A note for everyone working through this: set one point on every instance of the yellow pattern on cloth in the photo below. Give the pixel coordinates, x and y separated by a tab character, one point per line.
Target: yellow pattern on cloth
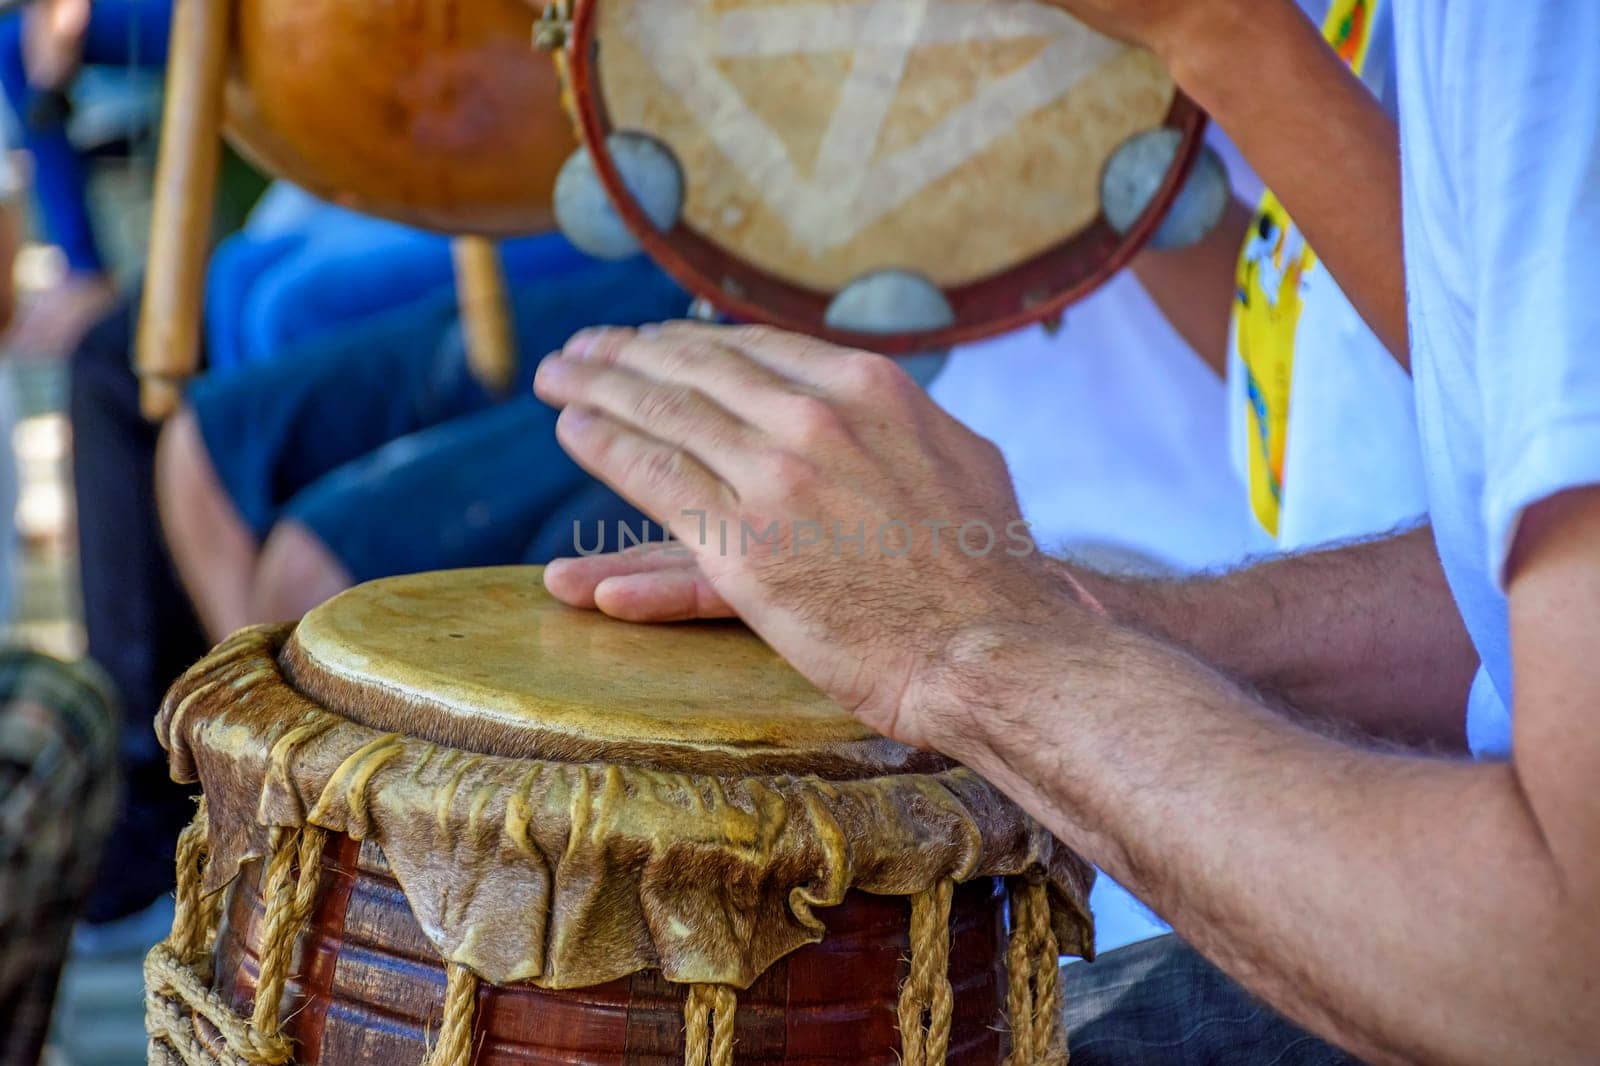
574	874
1272	266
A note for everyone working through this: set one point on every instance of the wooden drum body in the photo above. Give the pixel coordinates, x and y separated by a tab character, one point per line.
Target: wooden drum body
448	820
371	985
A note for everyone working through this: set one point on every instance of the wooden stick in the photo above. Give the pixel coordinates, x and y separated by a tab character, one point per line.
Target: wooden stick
481	294
168	345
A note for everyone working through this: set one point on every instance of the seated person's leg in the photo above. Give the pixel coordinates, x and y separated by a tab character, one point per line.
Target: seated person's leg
464	493
251	439
139	624
266	433
57	794
592	520
211	542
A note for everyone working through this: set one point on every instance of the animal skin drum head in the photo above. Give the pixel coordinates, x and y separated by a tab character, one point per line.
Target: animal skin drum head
959	140
487	656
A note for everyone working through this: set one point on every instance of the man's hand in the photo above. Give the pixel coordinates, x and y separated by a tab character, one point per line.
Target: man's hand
647	583
846	518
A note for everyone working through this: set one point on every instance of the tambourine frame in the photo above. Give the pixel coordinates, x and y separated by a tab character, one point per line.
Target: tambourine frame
1035	290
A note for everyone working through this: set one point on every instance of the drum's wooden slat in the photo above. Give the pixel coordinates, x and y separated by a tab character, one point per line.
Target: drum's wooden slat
374	986
316	959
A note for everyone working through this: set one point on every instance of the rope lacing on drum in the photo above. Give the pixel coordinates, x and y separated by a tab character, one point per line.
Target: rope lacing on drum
1033	997
460	1005
708	1015
185	1019
926	1000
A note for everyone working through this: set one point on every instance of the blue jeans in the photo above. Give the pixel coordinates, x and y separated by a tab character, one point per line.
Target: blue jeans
121	33
1159	1003
377	438
267	293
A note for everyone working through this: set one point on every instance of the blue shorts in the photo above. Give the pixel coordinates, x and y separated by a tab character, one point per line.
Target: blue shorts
378	438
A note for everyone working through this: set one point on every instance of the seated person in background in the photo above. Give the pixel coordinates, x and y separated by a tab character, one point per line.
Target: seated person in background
302	266
42	49
374	452
1322	413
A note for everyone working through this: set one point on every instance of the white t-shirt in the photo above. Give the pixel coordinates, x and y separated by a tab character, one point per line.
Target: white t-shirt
1116	434
1352	465
1114	431
1500	136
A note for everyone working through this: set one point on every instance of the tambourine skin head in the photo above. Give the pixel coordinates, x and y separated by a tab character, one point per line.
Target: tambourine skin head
822	143
436	113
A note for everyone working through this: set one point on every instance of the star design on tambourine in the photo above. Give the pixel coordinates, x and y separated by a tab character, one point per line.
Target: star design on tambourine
850	185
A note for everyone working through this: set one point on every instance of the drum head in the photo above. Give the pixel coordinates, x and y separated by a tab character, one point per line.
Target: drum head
820	142
486	660
436	113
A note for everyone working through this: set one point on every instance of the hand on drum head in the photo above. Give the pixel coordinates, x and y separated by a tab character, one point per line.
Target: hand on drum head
647	583
818	493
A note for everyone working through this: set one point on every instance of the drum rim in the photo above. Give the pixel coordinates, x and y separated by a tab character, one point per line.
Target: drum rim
999	303
342	680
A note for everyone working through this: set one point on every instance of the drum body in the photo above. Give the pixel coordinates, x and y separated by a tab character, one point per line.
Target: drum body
448	820
821	143
371	986
436	113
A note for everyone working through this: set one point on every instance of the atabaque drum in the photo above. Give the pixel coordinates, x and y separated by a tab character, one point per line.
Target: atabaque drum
898	174
449	820
437	113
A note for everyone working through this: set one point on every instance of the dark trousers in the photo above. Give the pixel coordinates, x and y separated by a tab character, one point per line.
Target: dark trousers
1160	1003
141	628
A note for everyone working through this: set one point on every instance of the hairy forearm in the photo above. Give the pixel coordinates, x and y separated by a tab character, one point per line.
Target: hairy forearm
1365	636
1314	134
1405	907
